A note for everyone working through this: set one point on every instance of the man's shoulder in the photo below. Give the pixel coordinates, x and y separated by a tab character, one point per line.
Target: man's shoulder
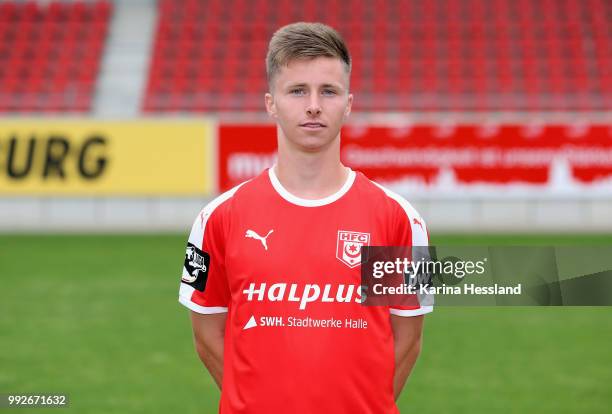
240	194
397	209
382	196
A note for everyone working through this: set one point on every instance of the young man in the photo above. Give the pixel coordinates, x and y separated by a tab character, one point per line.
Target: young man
272	273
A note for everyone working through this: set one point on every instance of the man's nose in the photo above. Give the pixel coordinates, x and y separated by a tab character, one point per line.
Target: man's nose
314	108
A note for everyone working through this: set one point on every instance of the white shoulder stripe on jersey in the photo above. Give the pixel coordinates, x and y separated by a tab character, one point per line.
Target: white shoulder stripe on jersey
196	237
419	229
419	238
411	312
197	230
185	298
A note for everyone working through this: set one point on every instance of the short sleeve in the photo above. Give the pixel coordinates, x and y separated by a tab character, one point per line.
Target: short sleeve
411	231
204	288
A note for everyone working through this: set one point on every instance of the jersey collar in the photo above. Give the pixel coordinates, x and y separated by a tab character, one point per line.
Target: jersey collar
304	202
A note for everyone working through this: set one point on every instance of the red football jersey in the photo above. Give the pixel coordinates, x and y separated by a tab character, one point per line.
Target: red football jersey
287	271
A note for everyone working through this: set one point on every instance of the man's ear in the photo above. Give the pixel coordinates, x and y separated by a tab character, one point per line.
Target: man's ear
349	106
270	105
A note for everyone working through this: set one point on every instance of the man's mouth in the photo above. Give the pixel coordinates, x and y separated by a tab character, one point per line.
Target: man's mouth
312	125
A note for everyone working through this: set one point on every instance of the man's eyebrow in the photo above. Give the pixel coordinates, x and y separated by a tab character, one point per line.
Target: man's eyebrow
304	85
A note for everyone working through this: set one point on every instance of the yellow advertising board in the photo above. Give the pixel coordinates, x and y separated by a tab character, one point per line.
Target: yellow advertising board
101	158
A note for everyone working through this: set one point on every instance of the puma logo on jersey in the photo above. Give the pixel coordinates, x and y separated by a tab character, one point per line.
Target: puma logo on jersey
202	215
416	221
250	234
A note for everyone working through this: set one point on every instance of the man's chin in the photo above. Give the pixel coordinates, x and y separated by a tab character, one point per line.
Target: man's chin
314	143
307	141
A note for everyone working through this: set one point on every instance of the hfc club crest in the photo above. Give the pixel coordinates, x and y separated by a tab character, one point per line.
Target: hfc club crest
348	247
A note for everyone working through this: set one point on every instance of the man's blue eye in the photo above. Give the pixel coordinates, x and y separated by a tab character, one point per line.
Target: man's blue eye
329	92
297	91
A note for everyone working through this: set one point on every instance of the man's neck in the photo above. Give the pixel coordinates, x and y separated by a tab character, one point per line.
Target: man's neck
311	175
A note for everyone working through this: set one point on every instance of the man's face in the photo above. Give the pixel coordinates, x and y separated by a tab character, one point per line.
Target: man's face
310	101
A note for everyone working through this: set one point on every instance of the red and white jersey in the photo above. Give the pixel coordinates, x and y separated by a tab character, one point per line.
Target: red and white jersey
286	270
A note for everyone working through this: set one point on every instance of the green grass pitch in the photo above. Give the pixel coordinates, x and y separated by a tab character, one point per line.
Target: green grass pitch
97	317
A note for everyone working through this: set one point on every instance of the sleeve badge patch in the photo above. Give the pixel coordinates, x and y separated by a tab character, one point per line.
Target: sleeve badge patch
195	268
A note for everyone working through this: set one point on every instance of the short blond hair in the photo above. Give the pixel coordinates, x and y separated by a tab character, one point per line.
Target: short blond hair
304	41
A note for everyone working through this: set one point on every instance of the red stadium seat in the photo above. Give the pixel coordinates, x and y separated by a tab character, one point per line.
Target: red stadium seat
503	54
52	53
